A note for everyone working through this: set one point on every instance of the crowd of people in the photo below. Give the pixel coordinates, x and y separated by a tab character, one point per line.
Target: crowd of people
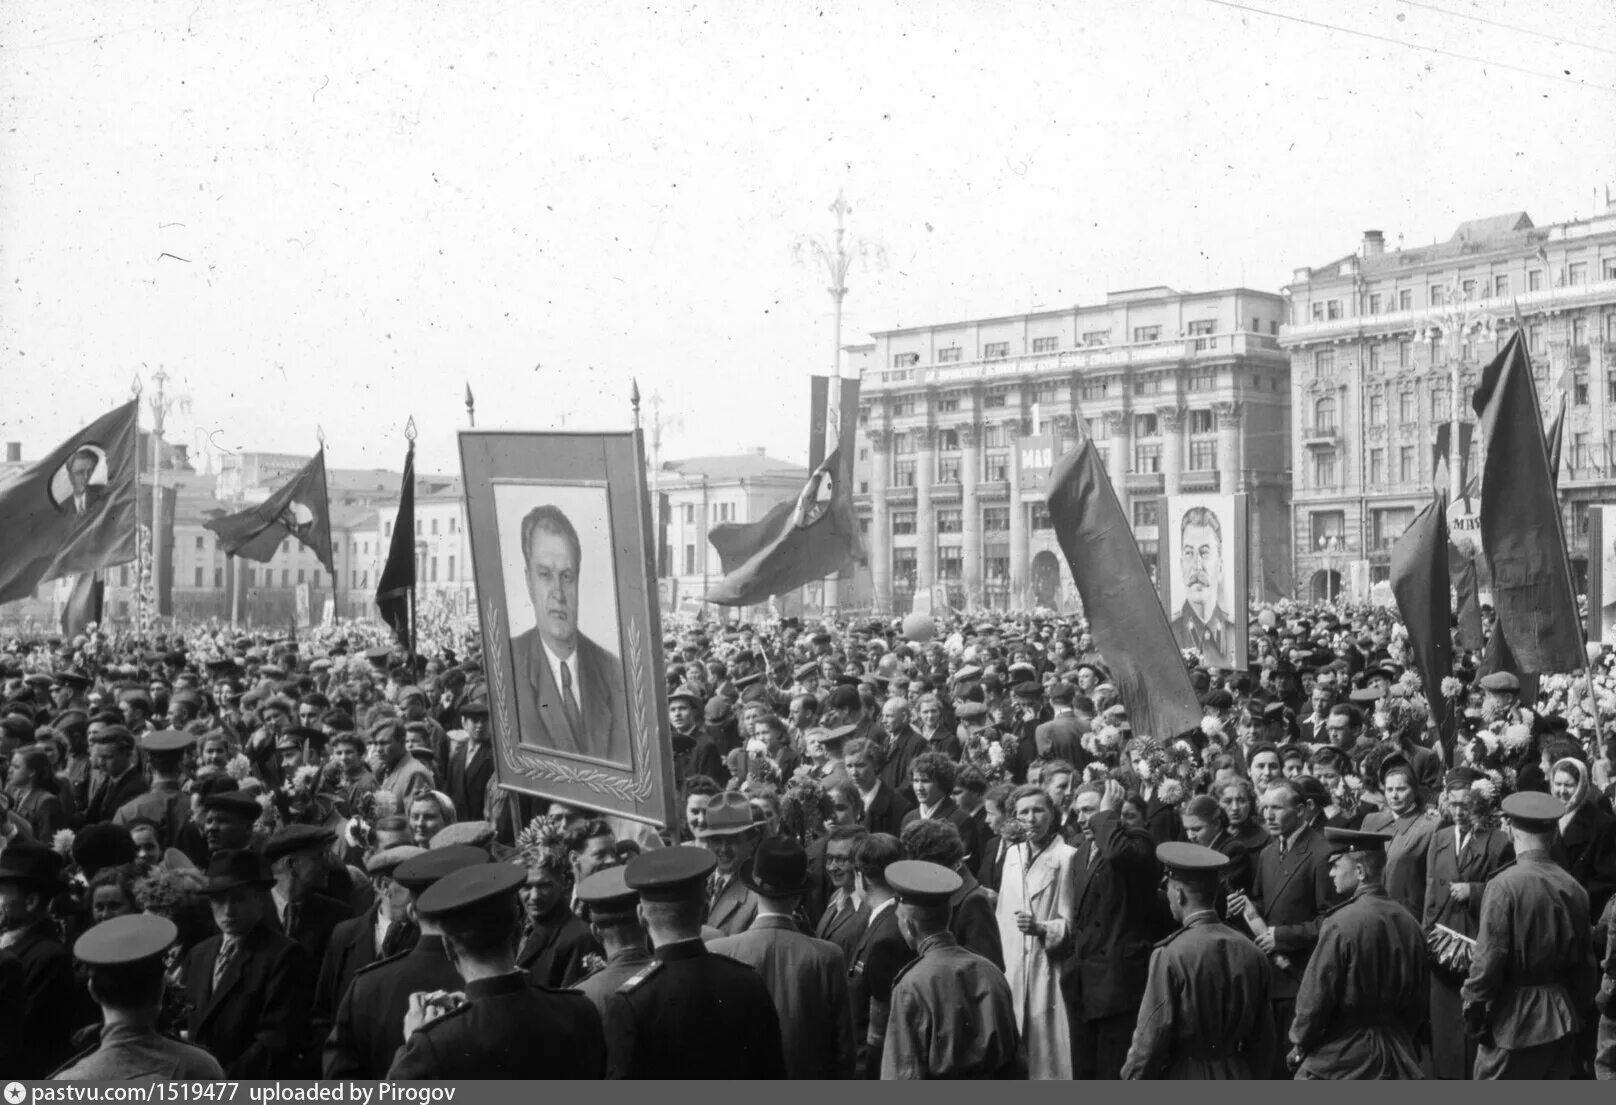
907	849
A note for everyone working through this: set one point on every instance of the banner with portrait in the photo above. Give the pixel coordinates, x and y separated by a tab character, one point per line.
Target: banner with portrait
1602	573
560	528
1203	547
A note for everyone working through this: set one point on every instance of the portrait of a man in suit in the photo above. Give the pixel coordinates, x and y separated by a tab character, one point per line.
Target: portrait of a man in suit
569	689
85	497
1201	622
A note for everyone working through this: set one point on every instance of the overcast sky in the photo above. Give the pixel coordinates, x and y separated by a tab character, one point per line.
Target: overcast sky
339	214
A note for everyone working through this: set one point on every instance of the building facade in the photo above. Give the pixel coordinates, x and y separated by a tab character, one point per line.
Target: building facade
960	422
1374	338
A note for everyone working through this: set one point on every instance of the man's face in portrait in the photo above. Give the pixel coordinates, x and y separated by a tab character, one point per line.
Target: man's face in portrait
1203	568
79	470
552	584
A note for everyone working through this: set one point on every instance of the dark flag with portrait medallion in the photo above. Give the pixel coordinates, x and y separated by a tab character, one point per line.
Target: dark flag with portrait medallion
1126	618
73	511
300	509
398	574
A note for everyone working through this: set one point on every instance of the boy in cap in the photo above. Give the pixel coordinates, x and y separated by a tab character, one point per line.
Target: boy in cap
501	1025
689	1013
952	1014
124	961
1367	988
1207	1011
1533	971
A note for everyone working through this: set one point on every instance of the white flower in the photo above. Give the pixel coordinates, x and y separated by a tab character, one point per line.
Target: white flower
1451	687
1211	726
1171	791
1515	738
996	754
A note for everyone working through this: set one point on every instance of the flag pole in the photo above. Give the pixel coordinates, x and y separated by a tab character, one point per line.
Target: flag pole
410	435
471	406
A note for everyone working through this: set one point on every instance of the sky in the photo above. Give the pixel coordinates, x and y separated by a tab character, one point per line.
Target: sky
331	217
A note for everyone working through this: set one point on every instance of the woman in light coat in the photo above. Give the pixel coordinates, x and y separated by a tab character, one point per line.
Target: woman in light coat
1037	898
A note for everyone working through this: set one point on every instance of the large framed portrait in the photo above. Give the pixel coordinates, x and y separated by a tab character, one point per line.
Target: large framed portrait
1602	573
1203	547
560	531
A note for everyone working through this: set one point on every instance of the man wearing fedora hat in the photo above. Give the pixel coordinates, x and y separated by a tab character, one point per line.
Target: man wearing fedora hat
731	835
806	977
52	1005
249	987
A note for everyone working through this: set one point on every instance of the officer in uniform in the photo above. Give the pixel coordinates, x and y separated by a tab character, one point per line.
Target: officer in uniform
369	1026
1208	1011
610	908
1366	993
1533	972
502	1025
952	1013
124	957
688	1013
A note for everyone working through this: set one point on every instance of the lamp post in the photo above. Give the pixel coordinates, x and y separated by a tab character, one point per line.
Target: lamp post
1458	318
1329	545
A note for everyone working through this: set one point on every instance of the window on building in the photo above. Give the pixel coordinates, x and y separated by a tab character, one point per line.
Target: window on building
417	531
1467	289
690	560
1093	339
948	470
996	519
1040	517
1147	458
1332	309
1407	472
1579	331
1324	416
903	444
950	521
1323	525
1577	273
1202	330
1405	407
950	563
451	569
1438	295
1610	327
1405	353
903	523
198	574
1316	311
997	467
434	527
1374	357
251	577
1534	337
1377	409
201	543
1387	525
218	578
1045	345
1324	364
1374	303
994	400
1144	425
947	405
452	526
1441	403
946	356
1579	452
904	407
286	577
1501	285
1377	466
1091	389
1147	385
995	350
905	360
1534	280
1203	456
1147	333
1324	468
1201	379
1146	512
903	473
1405	299
948	441
1202	422
1579	390
690	514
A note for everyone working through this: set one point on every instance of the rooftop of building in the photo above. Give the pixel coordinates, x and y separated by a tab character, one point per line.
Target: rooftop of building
744	466
1120	297
1511	232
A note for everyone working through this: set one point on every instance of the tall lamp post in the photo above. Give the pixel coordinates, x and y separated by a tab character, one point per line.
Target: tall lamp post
837	256
1457	320
1330	545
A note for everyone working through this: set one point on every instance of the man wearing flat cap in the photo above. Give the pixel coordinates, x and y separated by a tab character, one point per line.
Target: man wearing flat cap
689	1014
1533	973
500	1024
952	1014
249	987
1365	994
124	962
370	1016
1207	1011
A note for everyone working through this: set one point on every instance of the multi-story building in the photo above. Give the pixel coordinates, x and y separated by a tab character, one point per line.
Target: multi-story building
960	422
703	492
1373	341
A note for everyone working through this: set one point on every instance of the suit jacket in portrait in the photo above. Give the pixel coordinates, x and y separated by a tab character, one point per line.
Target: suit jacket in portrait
1214	638
255	1021
602	701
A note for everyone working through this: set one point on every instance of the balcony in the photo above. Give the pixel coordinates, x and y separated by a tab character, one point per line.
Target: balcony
1321	437
1500	307
1144	483
1156	354
1199	481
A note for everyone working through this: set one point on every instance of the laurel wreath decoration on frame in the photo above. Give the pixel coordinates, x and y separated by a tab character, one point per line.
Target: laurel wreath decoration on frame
537	766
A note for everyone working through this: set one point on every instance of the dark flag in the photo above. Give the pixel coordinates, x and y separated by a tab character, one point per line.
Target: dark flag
1126	618
1439	450
397	583
1467	592
795	543
1556	436
1420	584
83	605
1520	521
300	509
73	511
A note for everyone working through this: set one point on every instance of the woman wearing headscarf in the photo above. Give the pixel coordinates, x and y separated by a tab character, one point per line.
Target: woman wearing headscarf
1411	824
1586	843
1467	850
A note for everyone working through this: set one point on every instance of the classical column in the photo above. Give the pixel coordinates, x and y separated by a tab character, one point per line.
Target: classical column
970	437
1116	423
1230	417
880	439
1172	429
1020	555
925	520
